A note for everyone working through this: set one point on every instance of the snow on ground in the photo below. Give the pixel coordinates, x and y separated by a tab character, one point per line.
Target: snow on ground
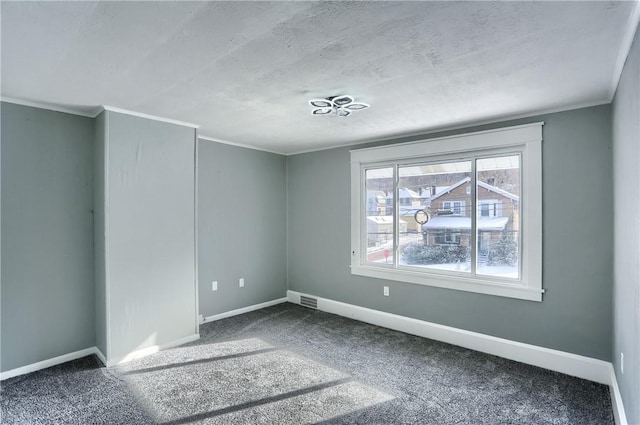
495	271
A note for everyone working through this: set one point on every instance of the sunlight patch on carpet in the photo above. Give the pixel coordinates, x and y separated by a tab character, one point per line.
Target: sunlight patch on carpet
243	381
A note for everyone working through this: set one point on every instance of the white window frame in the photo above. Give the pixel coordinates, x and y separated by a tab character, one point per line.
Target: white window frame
526	140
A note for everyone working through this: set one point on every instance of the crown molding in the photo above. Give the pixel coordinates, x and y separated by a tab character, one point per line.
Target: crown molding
47	106
147	116
240	145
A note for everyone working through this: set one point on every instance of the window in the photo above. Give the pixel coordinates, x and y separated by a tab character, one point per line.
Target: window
454	207
489	208
451	237
484	232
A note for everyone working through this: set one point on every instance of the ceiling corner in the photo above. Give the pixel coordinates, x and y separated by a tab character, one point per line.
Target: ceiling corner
625	47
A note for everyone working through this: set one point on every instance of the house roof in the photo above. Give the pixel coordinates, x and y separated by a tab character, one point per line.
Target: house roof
450	188
377	194
380	219
406	193
405	210
499	191
481	184
464	223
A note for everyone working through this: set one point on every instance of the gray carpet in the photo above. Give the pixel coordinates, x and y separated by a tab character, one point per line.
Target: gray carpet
290	365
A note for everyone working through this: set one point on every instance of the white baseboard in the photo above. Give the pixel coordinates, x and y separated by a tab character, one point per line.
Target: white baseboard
94	350
151	349
559	361
33	367
243	310
101	356
616	399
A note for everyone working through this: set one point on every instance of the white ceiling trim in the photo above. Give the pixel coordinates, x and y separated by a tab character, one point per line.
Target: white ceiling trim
625	47
240	145
461	126
47	106
147	116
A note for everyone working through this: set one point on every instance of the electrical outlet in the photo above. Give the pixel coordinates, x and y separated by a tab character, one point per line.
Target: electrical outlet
386	291
241	282
622	363
214	286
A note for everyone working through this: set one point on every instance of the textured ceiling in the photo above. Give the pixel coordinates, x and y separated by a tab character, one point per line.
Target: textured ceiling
244	71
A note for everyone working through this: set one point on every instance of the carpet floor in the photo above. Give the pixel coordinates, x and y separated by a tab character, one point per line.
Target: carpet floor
290	365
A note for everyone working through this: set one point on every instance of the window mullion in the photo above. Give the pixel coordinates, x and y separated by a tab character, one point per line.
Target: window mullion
474	218
363	215
396	218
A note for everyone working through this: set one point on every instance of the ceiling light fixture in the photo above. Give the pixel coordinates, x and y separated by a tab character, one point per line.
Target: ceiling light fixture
341	106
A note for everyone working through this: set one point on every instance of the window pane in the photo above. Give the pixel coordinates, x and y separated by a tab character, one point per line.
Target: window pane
442	190
379	215
498	225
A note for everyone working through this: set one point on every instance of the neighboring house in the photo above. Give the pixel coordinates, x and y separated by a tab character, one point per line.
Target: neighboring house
406	198
379	204
407	216
376	203
450	223
409	202
429	191
380	230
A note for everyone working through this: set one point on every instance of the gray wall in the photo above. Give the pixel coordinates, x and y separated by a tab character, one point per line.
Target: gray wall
576	313
47	235
626	211
241	226
99	232
150	240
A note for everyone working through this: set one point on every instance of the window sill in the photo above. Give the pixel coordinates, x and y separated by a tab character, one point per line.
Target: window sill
480	285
